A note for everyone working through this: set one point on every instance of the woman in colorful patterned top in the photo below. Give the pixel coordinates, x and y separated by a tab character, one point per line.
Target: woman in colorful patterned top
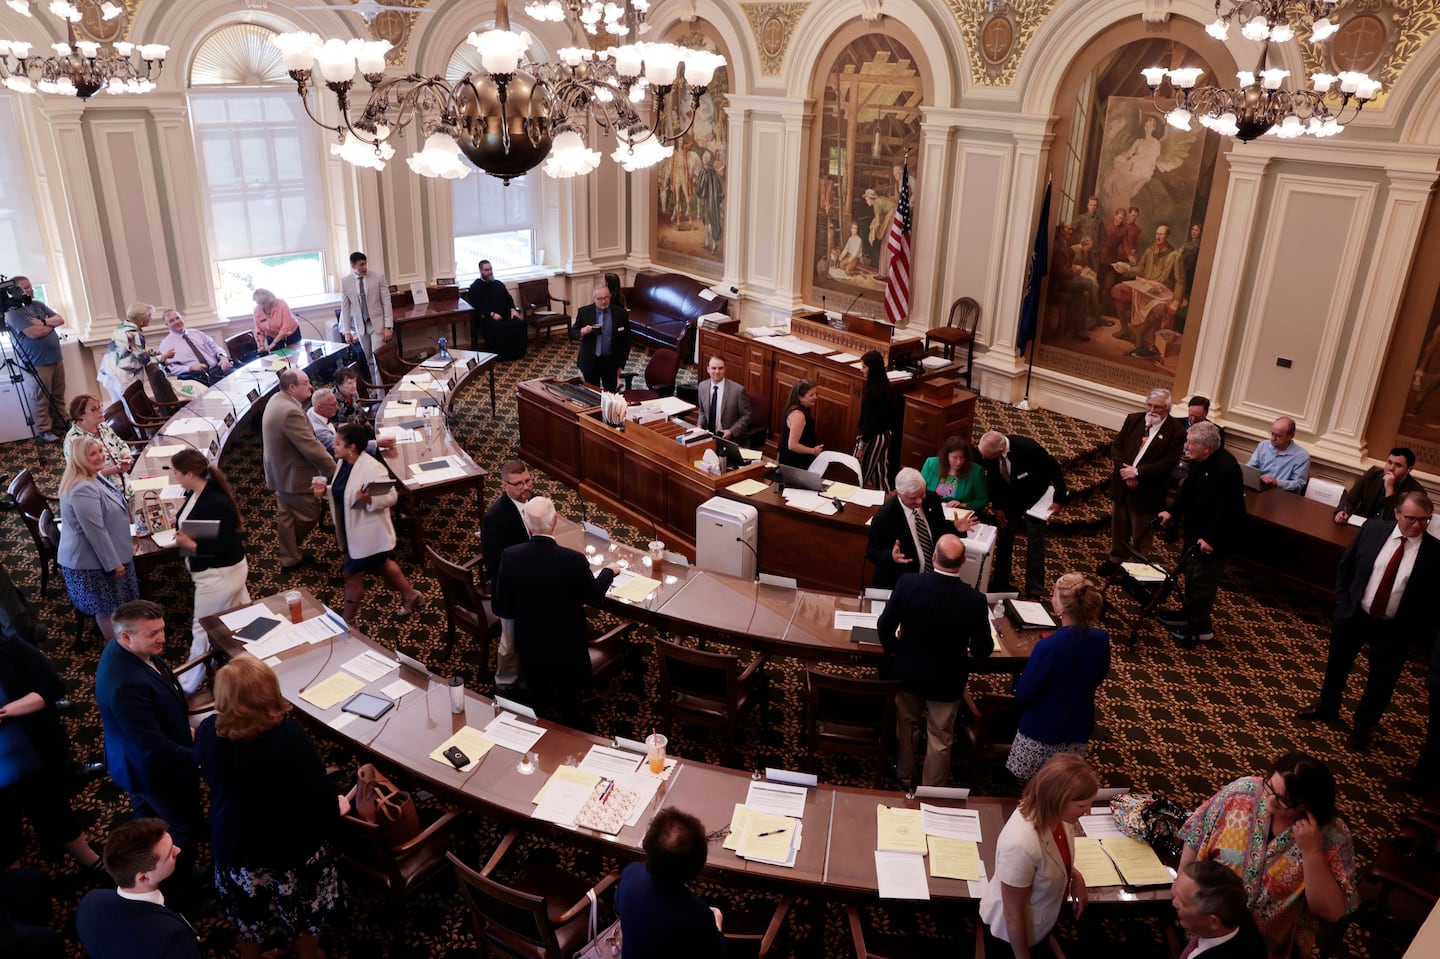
1280	833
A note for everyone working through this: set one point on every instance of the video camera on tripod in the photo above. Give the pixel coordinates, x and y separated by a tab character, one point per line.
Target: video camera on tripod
11	296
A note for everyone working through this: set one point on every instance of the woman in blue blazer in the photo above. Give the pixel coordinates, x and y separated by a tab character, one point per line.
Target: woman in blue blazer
1056	690
96	555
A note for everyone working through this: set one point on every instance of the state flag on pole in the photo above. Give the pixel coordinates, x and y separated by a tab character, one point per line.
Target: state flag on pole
897	285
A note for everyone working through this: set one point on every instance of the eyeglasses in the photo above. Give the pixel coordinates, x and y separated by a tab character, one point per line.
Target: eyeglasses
527	481
1406	518
1282	801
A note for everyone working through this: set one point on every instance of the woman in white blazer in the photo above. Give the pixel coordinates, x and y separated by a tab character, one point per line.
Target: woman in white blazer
362	521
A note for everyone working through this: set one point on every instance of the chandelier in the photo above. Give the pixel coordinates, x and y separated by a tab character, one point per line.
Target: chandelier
79	68
514	114
1261	105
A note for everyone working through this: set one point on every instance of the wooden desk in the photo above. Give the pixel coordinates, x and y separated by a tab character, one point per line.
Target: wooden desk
821	552
415	317
835	856
1295	540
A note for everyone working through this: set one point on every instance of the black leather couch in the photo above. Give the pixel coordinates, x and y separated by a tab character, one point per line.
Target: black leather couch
665	308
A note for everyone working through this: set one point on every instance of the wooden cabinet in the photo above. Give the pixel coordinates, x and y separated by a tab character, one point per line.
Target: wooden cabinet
933	412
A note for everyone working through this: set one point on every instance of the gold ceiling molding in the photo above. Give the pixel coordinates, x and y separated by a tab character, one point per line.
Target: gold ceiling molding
773	25
397	27
996	39
92	26
1378	37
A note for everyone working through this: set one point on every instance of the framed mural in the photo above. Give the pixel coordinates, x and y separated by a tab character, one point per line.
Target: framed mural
1420	422
1127	228
870	119
690	186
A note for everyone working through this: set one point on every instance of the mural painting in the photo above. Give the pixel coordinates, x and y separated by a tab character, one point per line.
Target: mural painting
1420	423
690	186
1127	233
871	117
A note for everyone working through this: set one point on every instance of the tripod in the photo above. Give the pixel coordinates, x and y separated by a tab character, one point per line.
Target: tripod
16	369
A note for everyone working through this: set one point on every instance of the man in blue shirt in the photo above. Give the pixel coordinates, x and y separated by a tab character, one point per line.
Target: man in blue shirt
32	327
1282	462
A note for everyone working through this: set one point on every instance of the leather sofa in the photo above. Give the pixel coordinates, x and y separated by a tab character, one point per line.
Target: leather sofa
665	308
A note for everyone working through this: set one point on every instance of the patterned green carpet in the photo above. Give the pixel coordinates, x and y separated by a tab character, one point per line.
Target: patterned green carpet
1175	722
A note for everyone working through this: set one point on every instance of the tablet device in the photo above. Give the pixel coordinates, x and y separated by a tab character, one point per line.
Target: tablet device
412	424
410	662
429	401
379	487
200	528
1251	476
435	465
256	628
368	705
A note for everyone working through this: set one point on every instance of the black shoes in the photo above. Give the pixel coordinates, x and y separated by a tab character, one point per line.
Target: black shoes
1171	620
84	772
1361	738
1410	783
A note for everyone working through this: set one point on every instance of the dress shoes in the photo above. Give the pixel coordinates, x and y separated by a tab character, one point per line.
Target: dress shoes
64	705
1316	711
84	772
1172	620
306	559
1361	738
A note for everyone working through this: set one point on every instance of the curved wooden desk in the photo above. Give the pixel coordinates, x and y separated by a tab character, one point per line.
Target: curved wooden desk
836	853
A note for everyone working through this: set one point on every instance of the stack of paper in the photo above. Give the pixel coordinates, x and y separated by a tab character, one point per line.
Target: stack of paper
436	470
471	742
1144	572
904	837
632	587
764	837
1136	862
512	733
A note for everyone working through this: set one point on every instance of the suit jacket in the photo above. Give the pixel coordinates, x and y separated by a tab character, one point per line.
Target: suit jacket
655	917
734	407
1056	691
545	588
619	339
1353	575
1160	458
225	549
1367	497
377	300
937	617
1246	944
111	927
889	525
1211	502
1032	469
291	453
501	528
94	527
147	729
368	530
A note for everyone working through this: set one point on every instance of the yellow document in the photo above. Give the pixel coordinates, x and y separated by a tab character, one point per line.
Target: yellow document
635	589
953	513
337	688
472	743
899	830
842	491
149	482
569	774
1095	867
954	858
749	487
277	364
767	836
737	826
749	456
1137	862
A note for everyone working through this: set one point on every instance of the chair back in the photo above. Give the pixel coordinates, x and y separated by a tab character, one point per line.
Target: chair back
118	421
1324	491
49	529
506	919
391	366
161	386
964	314
828	458
241	345
138	407
845	710
534	296
464	607
698	682
660	371
29	501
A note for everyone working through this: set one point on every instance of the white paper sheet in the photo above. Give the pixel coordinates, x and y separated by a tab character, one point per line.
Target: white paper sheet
610	763
563	802
369	666
849	620
1041	509
240	618
190	425
869	497
1100	824
397	688
901	875
507	731
776	798
341	721
163	538
951	823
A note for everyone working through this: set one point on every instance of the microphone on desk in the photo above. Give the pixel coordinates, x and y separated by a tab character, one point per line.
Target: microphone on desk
853	302
755	552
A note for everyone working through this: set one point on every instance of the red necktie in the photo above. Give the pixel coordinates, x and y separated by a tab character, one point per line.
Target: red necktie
1189	950
1381	601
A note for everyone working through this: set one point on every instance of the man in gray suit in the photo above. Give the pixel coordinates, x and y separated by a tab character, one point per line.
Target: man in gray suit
292	457
728	398
366	316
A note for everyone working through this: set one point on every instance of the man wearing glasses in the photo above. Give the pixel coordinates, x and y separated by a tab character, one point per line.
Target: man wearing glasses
1386	578
1145	452
503	527
1282	462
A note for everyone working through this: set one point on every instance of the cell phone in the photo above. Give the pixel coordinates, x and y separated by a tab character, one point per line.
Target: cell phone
457	757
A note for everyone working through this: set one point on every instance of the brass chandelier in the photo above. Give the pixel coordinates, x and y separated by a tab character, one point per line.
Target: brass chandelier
1261	105
515	114
79	68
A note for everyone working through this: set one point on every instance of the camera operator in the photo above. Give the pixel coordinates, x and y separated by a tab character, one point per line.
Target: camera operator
33	327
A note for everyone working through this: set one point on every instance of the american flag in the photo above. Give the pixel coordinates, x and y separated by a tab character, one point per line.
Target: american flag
897	285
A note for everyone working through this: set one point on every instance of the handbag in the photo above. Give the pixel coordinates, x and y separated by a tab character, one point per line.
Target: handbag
606	945
1150	818
392	809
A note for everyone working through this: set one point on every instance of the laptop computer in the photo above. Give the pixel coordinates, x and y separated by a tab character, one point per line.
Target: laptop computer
729	452
1251	476
796	478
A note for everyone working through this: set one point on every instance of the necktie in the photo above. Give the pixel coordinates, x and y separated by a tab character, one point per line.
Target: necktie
1005	468
602	341
364	302
1381	602
923	538
200	354
1189	949
715	408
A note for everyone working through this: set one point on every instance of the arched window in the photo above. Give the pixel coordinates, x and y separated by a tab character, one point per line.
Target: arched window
493	221
20	253
259	160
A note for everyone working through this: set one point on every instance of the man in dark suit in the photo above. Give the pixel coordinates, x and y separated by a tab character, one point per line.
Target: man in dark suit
132	921
1211	505
147	731
1018	471
1425	776
1145	452
292	457
1384	589
603	329
1210	904
1374	494
545	588
659	916
904	531
502	528
928	624
733	419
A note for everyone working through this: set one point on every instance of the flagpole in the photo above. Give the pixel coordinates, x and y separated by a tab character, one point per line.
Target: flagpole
1035	270
1029	372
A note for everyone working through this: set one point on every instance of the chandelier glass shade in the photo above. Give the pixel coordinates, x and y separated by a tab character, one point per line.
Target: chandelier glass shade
513	114
1261	104
79	68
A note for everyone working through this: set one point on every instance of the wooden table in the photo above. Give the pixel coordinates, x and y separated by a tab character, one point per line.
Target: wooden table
418	316
1295	540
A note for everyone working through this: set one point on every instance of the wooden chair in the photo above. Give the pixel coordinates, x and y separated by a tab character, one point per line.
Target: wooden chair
32	504
900	944
989	729
141	410
394	870
465	610
754	934
709	688
117	419
163	390
659	377
536	307
854	716
959	330
390	365
607	650
540	913
242	347
1398	891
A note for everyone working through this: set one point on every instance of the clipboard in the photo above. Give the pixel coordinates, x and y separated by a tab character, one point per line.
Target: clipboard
200	528
379	487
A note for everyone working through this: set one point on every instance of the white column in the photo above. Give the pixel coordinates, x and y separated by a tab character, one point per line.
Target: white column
1026	194
928	301
75	190
195	282
737	218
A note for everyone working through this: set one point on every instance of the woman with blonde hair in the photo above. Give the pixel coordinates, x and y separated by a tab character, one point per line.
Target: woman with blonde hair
1035	860
274	867
275	325
96	556
1056	691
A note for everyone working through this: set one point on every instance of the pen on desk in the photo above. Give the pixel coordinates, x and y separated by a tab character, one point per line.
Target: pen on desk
605	796
772	832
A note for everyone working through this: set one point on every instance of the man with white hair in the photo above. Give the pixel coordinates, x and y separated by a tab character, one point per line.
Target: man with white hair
603	329
1018	471
1145	452
905	530
545	587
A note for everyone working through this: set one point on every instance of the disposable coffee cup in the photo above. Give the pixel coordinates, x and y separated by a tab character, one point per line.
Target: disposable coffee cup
657	552
655	752
457	694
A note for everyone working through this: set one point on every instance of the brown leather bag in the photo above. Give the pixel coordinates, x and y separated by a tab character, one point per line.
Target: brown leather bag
379	801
